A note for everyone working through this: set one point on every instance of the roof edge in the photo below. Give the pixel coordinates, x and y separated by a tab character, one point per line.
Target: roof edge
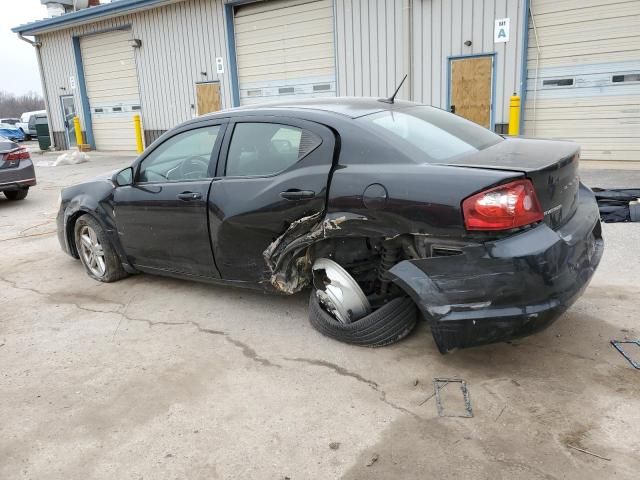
87	15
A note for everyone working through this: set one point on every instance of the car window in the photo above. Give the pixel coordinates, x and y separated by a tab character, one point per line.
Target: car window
439	134
267	148
183	157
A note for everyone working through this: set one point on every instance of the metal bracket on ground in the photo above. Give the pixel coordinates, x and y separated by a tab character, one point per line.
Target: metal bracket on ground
618	346
439	384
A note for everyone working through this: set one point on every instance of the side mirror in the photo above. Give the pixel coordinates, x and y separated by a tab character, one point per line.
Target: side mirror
123	177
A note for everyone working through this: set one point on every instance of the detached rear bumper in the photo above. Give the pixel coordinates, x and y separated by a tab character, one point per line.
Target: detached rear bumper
508	288
15	178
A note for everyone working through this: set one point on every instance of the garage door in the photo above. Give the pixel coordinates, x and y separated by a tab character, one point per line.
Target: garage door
285	49
112	88
584	75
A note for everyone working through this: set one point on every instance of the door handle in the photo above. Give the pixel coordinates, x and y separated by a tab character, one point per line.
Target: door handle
295	194
189	196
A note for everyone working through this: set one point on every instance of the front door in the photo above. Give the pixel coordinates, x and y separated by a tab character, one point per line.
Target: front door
275	172
162	217
208	97
471	80
69	113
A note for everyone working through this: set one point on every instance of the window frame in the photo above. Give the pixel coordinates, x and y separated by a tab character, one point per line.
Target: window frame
168	136
277	120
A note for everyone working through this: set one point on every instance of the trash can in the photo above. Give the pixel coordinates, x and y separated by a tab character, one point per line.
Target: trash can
42	130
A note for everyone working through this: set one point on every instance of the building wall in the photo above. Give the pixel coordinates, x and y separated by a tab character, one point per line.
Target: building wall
179	41
375	40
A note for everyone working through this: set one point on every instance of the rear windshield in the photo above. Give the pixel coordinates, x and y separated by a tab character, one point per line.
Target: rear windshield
438	134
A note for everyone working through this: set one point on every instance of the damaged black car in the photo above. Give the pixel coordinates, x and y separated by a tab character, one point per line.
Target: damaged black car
388	211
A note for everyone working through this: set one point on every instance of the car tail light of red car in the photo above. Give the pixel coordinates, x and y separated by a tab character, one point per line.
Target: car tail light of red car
512	205
12	159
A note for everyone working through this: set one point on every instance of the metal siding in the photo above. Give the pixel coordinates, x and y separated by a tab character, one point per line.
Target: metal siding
440	28
588	41
167	66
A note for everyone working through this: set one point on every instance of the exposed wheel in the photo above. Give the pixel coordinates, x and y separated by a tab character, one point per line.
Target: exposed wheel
96	252
389	324
17	194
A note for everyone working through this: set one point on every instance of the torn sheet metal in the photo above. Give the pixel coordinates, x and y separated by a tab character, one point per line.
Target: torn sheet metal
439	384
618	346
290	269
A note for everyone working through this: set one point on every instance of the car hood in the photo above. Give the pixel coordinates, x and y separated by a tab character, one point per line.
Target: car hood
7	145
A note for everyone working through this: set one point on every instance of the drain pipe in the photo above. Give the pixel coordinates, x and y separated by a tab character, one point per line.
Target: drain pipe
407	41
37	46
535	82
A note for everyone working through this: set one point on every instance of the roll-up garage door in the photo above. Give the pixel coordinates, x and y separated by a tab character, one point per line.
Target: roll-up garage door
112	88
285	49
584	75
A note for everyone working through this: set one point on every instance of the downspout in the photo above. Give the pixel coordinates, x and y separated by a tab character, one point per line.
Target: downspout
535	84
524	70
408	45
45	94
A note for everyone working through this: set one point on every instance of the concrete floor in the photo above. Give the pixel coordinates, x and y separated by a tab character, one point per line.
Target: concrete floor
152	378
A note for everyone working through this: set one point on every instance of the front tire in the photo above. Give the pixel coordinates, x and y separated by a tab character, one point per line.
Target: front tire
17	194
96	252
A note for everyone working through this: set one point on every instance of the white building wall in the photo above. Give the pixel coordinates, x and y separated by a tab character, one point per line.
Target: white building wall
179	41
379	41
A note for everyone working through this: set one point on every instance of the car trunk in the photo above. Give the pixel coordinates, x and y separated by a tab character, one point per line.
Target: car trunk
551	166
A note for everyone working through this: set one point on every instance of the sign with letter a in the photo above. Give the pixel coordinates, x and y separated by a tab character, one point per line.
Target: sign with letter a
501	32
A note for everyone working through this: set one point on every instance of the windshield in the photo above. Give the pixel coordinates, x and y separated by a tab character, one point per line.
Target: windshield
438	134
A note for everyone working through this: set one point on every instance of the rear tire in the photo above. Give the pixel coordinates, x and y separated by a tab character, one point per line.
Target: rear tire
17	194
96	252
389	324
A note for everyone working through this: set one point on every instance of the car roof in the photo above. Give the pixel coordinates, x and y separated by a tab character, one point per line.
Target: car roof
352	107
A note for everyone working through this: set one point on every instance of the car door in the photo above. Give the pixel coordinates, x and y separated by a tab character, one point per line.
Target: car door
273	171
162	217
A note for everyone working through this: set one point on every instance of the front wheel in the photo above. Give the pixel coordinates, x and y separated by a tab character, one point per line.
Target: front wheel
17	194
96	252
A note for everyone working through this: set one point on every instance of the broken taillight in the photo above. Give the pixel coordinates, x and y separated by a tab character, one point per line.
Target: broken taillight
512	205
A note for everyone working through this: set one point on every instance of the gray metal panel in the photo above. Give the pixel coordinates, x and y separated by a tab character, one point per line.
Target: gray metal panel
178	42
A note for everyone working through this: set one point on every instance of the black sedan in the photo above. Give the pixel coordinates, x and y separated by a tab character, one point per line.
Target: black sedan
379	206
16	170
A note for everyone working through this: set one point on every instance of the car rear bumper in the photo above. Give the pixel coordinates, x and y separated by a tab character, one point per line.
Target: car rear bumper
508	288
22	176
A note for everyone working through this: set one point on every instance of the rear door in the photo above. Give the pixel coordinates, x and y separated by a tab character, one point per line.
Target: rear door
273	171
162	217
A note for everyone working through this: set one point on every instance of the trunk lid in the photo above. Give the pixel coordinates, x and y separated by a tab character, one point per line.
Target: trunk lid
552	166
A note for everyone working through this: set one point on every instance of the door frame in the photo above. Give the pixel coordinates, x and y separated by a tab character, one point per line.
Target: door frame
195	94
494	68
64	119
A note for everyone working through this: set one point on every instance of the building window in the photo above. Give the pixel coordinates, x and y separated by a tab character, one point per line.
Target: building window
559	82
254	93
285	90
322	87
116	109
627	77
135	108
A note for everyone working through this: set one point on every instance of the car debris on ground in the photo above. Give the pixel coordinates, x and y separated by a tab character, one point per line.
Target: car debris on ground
618	204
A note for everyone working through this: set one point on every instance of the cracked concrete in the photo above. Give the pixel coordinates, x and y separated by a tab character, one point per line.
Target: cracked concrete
159	378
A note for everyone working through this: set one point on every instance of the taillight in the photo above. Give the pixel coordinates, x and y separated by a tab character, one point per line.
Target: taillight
512	205
20	153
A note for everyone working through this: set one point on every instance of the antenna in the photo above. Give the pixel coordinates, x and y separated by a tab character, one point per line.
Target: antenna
392	97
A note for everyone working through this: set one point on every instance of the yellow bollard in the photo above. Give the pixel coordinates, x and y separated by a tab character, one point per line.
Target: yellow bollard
514	115
137	124
78	129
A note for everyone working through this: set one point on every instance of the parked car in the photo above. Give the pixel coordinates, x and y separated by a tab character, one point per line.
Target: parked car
378	206
28	123
11	132
10	121
16	170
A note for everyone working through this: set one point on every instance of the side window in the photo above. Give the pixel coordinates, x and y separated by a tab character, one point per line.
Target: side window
267	148
185	156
